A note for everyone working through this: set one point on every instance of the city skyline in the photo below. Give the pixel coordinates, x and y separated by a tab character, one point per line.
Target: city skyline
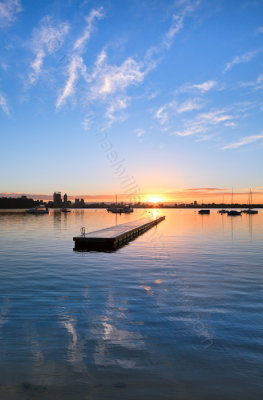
143	99
201	195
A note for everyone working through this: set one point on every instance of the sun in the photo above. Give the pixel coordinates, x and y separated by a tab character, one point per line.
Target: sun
154	199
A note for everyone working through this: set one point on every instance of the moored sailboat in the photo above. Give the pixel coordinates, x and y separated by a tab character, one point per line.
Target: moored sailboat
233	213
120	208
249	210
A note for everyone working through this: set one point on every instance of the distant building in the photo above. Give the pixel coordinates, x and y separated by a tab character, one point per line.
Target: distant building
77	202
65	198
82	203
195	203
57	198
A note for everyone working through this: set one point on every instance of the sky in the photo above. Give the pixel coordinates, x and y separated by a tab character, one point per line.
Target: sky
158	99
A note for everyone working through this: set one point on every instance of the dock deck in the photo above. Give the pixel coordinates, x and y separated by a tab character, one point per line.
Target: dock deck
109	239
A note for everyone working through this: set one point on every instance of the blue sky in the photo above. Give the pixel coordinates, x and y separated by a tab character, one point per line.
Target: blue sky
164	94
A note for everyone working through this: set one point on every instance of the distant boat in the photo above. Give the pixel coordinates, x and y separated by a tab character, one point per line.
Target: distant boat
204	212
38	210
233	213
127	209
65	210
223	211
114	210
250	210
119	209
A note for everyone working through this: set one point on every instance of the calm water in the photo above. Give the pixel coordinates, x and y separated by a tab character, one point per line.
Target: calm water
176	314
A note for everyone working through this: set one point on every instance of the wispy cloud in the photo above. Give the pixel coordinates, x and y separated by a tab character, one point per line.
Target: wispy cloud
259	29
139	132
94	14
174	107
76	66
8	11
176	26
203	123
256	84
244	141
108	83
3	104
185	8
244	58
116	105
204	87
46	40
190	105
201	88
161	114
109	79
231	124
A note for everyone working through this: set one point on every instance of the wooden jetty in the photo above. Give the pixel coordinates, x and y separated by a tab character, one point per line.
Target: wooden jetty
110	239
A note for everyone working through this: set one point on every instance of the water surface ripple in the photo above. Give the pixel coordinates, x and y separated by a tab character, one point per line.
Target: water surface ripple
175	314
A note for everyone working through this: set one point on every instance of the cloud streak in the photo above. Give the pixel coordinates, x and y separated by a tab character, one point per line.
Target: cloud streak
94	14
76	64
244	58
204	122
176	26
190	105
46	40
168	110
8	11
4	105
204	87
108	83
109	79
244	141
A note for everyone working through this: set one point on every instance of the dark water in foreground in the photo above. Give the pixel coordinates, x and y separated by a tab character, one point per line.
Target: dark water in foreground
176	314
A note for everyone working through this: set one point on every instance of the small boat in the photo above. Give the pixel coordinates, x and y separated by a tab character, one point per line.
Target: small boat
65	210
204	212
127	209
119	209
233	213
250	210
114	210
222	211
38	210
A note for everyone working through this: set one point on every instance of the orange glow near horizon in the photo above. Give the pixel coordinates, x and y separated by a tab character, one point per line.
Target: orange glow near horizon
154	199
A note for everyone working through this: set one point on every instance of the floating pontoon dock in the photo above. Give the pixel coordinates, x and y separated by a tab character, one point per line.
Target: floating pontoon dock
115	236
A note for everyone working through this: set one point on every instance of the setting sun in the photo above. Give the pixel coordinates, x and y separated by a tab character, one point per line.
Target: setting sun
154	199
